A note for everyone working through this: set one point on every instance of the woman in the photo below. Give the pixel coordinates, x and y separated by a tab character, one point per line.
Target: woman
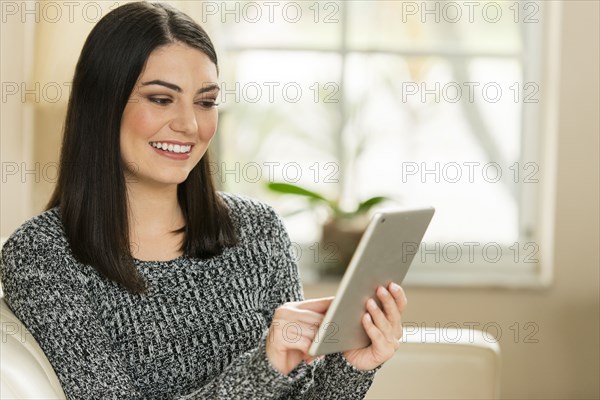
140	281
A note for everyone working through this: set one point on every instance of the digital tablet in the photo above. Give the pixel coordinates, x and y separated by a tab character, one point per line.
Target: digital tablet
383	255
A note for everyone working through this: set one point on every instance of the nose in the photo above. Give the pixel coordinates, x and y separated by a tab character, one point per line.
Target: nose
184	120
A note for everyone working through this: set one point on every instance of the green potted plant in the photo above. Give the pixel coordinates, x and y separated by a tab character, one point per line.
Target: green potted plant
342	230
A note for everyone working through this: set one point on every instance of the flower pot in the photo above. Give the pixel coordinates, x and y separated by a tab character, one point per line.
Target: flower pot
340	237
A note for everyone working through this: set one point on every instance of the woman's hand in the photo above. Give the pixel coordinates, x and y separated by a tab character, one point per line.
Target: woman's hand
383	327
292	331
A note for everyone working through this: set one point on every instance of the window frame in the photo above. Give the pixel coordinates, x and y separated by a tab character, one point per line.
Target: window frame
539	58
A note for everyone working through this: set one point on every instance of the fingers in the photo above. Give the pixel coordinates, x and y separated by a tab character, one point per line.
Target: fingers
382	347
387	318
293	329
377	316
318	305
373	332
399	296
310	312
390	305
288	331
291	336
290	312
296	324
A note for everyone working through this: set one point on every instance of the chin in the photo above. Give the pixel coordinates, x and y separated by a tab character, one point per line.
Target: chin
174	178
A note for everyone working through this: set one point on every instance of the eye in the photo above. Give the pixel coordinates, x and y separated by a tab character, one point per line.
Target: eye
207	103
163	101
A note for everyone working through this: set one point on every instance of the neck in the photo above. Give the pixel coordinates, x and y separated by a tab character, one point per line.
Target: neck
153	210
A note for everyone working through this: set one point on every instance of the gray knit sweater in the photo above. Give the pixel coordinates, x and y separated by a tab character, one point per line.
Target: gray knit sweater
199	332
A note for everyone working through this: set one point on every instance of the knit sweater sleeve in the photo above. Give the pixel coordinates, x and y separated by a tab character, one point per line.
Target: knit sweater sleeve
48	294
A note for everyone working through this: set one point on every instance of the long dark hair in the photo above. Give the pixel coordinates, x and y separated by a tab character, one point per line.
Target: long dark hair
91	187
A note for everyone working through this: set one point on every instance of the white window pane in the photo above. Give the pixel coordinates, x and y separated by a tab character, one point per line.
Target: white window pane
484	26
422	149
282	24
284	119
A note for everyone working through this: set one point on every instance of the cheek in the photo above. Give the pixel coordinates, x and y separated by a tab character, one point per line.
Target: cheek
138	123
210	126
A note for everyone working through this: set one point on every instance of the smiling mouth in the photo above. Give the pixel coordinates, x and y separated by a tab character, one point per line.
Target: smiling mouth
172	148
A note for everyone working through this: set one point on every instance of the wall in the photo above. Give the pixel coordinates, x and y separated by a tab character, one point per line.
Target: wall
13	142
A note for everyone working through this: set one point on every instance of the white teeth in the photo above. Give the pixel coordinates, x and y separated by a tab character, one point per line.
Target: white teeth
174	148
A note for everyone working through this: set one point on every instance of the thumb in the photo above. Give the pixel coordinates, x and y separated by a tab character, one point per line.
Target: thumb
318	305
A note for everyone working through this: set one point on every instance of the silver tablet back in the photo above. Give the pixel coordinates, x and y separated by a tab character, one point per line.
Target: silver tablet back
383	255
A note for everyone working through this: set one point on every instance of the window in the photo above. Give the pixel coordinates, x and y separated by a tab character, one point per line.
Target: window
429	103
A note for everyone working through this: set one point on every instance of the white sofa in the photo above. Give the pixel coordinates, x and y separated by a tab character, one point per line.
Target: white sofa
440	364
430	364
25	372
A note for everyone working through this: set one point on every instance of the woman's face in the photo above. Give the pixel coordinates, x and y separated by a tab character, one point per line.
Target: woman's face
170	117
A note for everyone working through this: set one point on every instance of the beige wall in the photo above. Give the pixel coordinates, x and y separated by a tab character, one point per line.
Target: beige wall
565	361
13	138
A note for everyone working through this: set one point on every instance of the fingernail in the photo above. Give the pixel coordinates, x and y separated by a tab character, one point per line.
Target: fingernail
384	292
395	287
372	303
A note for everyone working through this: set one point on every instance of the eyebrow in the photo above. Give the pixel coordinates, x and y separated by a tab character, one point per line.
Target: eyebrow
206	88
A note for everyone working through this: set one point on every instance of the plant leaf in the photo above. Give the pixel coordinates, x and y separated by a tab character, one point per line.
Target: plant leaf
367	204
288	188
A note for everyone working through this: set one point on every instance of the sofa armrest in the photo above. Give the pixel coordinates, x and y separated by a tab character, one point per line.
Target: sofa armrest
434	363
25	372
